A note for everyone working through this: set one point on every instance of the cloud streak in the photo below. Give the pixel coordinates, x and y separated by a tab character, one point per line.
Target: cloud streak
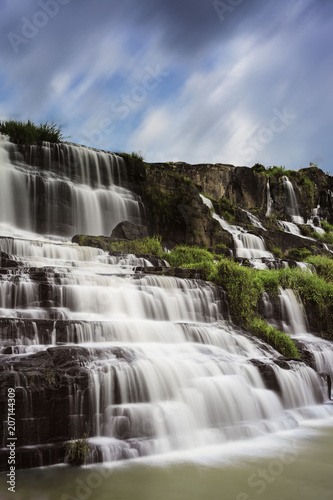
222	78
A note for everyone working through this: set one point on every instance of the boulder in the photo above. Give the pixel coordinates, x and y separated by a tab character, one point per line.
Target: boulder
128	231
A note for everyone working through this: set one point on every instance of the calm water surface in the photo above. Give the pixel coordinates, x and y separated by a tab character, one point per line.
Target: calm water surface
287	466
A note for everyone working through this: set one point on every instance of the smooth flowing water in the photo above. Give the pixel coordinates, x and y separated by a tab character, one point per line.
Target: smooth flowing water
66	190
150	365
247	245
292	466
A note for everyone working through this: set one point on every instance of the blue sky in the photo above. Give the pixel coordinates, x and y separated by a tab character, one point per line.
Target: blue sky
234	81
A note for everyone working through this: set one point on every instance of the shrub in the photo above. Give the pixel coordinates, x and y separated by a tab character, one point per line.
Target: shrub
243	289
151	246
277	252
326	226
225	209
258	168
181	256
308	188
306	231
77	450
277	339
299	253
325	238
323	266
134	156
29	133
271	223
192	257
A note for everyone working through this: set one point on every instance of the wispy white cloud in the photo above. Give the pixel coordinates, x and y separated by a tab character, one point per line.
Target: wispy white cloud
219	86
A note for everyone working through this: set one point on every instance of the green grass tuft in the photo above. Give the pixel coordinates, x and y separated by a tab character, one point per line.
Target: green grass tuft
29	133
147	246
277	339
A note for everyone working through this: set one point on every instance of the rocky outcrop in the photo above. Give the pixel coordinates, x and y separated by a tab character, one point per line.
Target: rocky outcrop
174	209
45	384
128	231
240	185
287	241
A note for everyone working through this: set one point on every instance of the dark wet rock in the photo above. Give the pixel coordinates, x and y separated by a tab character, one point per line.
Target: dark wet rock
268	374
7	261
179	272
128	231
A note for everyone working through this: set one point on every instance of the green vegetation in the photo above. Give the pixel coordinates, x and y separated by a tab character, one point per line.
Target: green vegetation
279	340
272	171
258	168
192	257
308	188
326	226
244	287
173	206
323	266
147	246
29	133
136	157
324	238
276	251
299	254
185	255
225	209
77	450
271	223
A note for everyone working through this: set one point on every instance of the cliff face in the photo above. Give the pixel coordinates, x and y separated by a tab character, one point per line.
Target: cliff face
171	205
240	185
174	209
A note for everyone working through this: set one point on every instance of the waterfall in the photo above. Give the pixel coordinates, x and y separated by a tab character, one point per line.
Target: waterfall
269	201
81	194
290	227
146	364
295	322
254	220
293	312
247	246
291	201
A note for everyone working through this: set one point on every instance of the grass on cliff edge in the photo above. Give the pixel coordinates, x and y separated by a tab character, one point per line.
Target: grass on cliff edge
29	133
244	287
146	246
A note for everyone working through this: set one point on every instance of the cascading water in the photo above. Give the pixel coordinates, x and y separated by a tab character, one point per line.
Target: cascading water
290	227
64	201
247	246
269	201
291	201
145	364
294	321
293	212
254	220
